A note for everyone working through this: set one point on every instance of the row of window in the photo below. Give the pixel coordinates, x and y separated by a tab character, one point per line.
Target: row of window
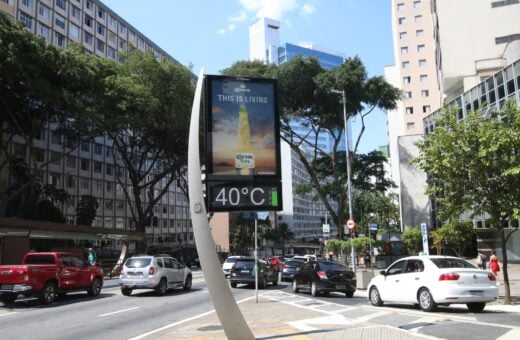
408	79
418	34
420	49
406	64
417	19
425	109
401	5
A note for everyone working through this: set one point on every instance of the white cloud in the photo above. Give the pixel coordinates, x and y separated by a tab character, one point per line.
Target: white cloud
242	16
274	9
307	9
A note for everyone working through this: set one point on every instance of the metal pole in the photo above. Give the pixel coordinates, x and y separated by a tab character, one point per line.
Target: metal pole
256	257
230	316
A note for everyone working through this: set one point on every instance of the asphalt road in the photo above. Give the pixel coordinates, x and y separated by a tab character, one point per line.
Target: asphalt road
114	316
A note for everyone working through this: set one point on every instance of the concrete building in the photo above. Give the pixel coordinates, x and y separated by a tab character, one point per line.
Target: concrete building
302	213
442	48
90	169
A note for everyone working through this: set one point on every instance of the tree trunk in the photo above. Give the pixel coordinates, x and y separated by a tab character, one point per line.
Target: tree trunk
507	297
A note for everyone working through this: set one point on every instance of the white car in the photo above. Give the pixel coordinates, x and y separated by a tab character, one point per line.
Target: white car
158	272
228	263
430	281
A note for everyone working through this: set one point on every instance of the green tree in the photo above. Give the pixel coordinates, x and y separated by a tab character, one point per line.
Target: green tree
143	106
285	234
86	210
305	93
472	165
456	235
412	238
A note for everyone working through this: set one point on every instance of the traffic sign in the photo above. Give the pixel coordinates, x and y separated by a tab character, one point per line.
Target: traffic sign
351	224
372	226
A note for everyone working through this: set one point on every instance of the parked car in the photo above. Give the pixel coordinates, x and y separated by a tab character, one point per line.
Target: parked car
228	263
243	271
323	277
430	281
48	275
291	267
158	272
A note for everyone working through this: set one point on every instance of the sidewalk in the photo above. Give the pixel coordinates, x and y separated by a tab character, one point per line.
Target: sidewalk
281	315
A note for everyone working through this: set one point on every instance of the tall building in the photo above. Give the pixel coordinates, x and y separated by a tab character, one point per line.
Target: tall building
90	169
442	49
302	213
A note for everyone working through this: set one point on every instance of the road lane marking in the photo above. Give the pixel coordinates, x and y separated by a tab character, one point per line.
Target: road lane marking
10	313
119	311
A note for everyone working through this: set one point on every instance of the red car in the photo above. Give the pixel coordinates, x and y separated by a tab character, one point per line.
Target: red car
47	275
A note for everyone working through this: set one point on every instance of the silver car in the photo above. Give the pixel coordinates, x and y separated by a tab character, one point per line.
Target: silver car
158	272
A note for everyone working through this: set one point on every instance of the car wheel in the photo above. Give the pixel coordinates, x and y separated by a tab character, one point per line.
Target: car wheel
349	293
49	293
476	307
314	289
233	284
375	298
262	283
426	302
295	287
8	297
161	288
95	287
187	283
126	291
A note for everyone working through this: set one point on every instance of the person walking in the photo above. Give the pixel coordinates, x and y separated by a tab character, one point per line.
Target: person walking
494	265
482	260
91	257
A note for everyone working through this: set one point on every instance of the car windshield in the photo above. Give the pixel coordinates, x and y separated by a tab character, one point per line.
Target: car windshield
230	260
138	262
452	263
246	263
294	263
330	265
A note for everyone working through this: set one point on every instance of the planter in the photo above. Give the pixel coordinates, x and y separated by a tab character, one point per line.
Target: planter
363	278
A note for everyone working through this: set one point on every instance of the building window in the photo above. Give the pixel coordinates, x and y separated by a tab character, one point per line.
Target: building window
404	50
97	184
402	35
43	31
122	29
85	147
410	126
88	38
417	4
426	109
402	21
420	48
71	202
406	80
112	23
27	3
100	45
55	158
109	205
61	4
422	62
26	20
425	93
55	137
122	44
59	21
409	110
418	19
408	94
84	182
44	11
71	162
112	37
101	13
88	20
101	29
405	64
75	12
400	7
111	53
109	169
98	149
98	166
39	155
109	186
419	33
74	31
85	164
71	181
108	151
54	179
88	4
423	77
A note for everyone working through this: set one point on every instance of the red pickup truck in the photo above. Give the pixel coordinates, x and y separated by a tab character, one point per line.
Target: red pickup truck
47	275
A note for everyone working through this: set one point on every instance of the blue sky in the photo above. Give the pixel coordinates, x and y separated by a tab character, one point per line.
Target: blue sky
214	33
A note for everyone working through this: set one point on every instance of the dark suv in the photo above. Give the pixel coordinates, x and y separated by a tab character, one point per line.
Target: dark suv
323	277
243	271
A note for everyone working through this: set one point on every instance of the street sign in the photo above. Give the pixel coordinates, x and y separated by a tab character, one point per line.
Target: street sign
326	228
424	232
372	226
351	224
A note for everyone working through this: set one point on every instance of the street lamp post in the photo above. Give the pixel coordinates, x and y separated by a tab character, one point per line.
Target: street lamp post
349	178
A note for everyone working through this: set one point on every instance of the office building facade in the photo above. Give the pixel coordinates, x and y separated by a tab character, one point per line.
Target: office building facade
92	168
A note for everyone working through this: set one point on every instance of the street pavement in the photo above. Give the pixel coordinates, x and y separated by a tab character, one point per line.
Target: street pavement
283	315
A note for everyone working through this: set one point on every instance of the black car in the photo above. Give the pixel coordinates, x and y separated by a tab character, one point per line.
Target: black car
243	271
324	277
291	267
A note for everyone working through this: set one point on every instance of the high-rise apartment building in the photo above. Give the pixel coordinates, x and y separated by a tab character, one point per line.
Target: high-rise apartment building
442	49
90	169
302	213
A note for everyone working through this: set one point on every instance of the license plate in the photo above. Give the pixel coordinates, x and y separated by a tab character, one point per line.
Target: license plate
244	271
341	287
477	292
7	287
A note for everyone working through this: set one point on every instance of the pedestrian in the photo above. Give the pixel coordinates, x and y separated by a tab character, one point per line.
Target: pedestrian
91	257
494	265
482	260
367	260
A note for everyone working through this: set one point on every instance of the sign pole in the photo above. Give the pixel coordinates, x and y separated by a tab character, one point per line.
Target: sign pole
230	316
